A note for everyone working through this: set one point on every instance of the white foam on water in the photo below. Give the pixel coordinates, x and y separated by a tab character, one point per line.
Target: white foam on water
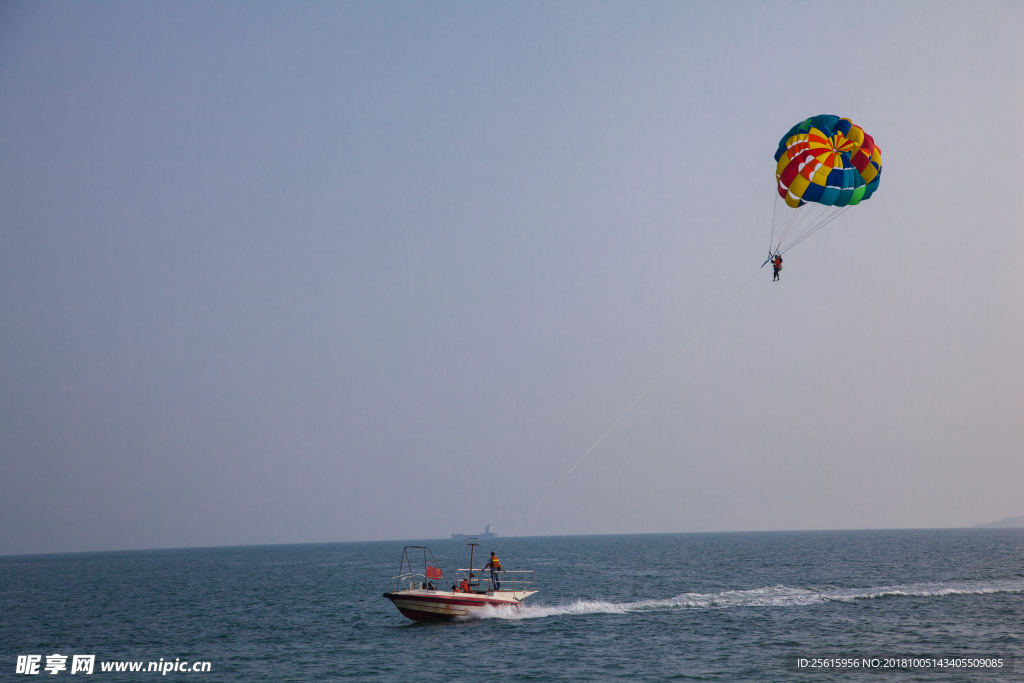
774	596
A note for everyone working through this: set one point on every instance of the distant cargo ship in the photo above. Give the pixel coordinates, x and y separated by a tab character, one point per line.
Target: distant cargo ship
488	533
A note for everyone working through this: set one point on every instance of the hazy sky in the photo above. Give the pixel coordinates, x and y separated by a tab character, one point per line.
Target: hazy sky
298	272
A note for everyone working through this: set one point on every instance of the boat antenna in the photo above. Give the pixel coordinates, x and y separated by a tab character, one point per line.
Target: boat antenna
472	543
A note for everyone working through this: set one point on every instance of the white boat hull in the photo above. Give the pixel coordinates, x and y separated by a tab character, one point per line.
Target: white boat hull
427	605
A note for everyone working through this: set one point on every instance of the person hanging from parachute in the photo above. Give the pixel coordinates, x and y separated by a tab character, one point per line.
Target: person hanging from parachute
824	166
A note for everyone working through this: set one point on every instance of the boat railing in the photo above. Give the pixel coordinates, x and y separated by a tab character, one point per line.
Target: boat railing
404	582
480	580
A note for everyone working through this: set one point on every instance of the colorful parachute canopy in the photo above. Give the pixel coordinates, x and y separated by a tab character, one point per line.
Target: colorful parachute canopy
824	166
827	160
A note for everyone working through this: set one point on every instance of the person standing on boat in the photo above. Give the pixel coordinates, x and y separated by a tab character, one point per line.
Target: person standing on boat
495	566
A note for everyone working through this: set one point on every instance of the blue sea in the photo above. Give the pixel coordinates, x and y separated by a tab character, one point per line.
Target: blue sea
680	607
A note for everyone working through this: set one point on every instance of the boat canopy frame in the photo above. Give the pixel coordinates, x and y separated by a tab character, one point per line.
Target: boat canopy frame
410	580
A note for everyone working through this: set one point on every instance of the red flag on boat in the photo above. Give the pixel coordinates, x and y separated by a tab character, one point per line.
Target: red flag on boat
434	572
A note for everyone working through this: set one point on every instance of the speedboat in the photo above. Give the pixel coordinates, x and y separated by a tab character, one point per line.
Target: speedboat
429	596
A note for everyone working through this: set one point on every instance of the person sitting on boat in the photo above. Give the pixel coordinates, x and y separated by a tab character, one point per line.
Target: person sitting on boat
495	566
464	586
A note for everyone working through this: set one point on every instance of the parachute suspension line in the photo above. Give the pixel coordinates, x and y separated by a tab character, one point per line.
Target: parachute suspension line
804	216
831	218
778	221
791	226
823	217
789	219
654	381
775	223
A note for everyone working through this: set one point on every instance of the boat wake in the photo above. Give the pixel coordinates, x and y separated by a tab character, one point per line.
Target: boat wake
775	596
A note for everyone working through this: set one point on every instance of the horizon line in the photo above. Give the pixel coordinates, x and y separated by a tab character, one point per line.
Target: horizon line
979	527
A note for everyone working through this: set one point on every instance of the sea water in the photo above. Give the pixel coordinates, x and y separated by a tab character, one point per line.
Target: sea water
711	607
